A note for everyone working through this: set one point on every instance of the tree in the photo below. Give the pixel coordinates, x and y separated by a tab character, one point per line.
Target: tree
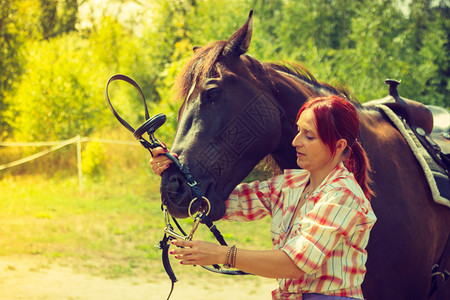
61	94
48	18
57	17
429	36
11	59
68	16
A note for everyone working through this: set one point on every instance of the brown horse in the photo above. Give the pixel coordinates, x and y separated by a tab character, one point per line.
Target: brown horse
238	110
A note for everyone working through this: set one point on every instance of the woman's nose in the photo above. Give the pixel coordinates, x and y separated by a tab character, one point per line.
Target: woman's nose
296	141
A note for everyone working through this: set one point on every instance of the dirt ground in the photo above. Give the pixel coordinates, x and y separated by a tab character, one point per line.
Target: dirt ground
31	279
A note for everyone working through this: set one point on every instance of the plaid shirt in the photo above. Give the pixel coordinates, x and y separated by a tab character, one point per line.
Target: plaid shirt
328	238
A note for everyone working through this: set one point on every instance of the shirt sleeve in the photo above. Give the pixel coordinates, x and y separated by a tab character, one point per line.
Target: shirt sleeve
252	201
333	218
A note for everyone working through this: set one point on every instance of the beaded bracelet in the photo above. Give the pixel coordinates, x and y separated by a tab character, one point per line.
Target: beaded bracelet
230	260
227	258
233	260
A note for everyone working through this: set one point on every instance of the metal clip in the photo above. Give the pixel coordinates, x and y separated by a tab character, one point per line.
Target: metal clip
169	228
194	227
173	234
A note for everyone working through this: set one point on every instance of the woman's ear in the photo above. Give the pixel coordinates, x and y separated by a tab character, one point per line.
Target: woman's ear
341	145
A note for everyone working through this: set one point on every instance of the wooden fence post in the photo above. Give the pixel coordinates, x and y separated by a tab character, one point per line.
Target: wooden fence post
80	170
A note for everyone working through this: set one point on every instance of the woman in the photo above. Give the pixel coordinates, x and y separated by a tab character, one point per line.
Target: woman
321	214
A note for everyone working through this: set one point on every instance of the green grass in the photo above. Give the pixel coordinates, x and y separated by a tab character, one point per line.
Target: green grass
110	229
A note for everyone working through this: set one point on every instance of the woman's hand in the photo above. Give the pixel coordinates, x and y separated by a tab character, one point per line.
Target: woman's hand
160	162
199	253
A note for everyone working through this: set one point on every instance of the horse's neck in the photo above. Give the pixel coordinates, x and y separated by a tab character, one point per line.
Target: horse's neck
290	93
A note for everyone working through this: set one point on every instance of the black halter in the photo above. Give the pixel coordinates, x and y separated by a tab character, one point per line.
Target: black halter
150	126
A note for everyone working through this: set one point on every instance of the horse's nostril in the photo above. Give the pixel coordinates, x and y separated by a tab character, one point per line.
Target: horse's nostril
180	185
174	191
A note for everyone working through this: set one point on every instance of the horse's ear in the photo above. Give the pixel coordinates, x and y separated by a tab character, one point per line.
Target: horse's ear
239	42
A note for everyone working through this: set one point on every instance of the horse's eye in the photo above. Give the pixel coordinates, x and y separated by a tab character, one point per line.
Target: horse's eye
213	94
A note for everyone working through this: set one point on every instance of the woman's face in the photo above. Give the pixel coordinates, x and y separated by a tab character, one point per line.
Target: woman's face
312	154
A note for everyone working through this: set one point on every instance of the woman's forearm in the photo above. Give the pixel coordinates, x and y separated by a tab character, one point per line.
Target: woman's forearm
266	263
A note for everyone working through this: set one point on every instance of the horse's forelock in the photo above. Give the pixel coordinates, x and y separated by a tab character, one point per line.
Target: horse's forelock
198	68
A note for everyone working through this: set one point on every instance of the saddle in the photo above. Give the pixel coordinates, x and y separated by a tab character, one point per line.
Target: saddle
420	119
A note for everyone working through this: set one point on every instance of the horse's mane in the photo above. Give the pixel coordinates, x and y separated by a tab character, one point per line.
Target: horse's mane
302	73
203	65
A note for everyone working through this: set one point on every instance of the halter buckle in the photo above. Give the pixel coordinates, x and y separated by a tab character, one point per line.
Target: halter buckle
191	184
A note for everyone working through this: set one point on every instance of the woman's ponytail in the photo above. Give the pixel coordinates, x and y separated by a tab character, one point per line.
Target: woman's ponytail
358	163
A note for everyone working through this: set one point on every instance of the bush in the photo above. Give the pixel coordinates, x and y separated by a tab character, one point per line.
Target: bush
93	160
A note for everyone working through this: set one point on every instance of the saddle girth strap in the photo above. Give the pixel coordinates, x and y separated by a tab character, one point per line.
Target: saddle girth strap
440	276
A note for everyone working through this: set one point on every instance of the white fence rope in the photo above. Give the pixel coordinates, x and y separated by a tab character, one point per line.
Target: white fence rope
53	143
37	155
31	144
55	146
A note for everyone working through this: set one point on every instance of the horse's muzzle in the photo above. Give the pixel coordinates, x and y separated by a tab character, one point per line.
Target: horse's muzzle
177	195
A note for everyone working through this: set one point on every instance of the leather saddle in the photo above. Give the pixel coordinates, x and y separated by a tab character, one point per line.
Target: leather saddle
420	120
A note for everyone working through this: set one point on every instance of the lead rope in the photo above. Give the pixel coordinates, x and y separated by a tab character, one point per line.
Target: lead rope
164	246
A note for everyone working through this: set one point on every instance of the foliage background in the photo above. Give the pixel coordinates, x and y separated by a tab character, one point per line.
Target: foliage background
57	55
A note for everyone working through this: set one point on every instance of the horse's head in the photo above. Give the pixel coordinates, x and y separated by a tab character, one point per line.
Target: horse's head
228	122
236	111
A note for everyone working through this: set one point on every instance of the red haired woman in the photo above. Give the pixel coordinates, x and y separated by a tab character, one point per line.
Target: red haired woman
321	214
